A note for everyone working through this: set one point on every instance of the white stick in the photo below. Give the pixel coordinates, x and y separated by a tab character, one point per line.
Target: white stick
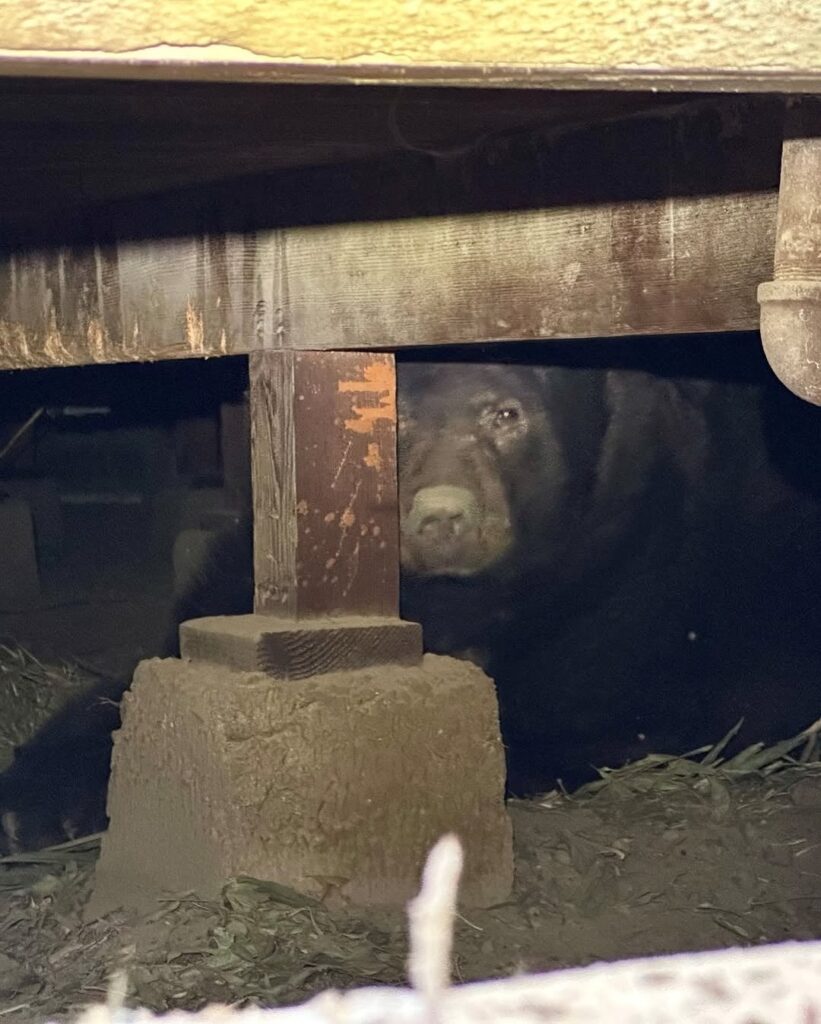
430	916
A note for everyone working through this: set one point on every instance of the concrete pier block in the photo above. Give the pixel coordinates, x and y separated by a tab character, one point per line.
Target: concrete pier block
349	776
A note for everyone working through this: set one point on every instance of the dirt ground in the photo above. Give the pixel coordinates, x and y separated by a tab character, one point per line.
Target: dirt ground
104	606
667	855
659	858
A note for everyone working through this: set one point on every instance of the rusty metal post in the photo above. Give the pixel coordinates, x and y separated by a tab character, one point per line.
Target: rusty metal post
791	303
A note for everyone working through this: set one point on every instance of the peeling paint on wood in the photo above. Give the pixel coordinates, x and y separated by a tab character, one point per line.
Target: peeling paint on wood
324	466
377	389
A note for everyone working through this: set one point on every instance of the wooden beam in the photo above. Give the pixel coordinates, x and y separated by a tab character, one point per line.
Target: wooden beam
648	226
444	151
685	44
323	432
297	650
681	265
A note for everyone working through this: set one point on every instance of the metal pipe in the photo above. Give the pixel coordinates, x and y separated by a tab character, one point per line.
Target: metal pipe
791	303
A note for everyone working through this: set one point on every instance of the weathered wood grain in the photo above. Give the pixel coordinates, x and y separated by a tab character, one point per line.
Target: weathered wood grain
299	650
672	266
273	474
348	514
323	458
561	154
680	265
72	145
655	225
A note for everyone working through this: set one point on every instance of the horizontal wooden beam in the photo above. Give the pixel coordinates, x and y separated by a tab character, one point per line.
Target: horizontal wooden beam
463	154
681	265
678	45
646	226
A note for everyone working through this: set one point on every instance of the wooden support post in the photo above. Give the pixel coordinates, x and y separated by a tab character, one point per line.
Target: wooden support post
323	449
348	761
326	529
349	777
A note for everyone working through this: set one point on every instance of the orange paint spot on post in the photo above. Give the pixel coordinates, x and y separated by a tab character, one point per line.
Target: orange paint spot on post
373	459
378	385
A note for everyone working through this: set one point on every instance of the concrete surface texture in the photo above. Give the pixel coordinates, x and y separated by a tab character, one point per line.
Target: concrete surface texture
337	782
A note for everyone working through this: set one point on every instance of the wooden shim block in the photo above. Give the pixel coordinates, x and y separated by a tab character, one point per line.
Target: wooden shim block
283	650
323	451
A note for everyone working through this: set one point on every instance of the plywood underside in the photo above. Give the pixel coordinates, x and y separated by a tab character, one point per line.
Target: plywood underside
672	44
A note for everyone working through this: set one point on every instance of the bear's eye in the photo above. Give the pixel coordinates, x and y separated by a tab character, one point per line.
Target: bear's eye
506	416
504	421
